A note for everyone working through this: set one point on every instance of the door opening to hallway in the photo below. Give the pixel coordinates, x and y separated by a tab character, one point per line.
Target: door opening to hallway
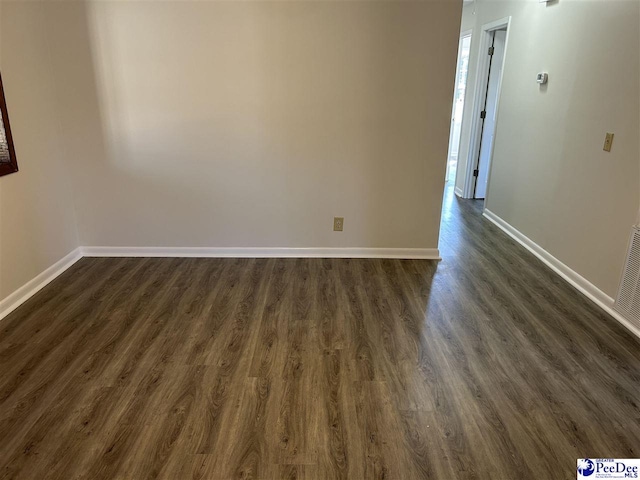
462	68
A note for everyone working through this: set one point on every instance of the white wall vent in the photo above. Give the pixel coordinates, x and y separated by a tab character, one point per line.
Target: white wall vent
628	300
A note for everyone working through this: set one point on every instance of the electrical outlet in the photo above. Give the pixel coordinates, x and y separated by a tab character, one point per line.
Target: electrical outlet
608	140
338	224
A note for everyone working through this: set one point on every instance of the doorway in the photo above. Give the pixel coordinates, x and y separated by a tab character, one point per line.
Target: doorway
464	47
493	47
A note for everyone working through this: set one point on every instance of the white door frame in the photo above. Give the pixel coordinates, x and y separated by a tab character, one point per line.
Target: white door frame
482	74
463	35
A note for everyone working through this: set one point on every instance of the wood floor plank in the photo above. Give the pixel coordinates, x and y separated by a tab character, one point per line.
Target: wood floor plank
485	365
339	442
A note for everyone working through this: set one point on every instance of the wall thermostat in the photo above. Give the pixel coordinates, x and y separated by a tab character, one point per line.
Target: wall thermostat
542	78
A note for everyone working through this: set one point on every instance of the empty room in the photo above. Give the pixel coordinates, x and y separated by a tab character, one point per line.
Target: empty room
319	239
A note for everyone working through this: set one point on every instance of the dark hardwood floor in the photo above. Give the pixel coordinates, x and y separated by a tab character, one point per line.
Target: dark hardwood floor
485	365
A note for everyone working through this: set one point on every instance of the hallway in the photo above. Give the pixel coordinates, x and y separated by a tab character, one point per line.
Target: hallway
552	377
484	365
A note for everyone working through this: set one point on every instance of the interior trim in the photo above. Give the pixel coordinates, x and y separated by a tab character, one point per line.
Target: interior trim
33	286
262	252
584	286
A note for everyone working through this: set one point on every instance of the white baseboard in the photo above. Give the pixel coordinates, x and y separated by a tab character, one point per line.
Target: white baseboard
407	253
458	191
583	285
32	287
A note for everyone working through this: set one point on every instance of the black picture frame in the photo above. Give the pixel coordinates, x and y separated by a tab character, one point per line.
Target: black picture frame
8	162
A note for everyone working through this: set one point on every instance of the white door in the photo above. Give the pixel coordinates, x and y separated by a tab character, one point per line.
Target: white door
489	128
458	105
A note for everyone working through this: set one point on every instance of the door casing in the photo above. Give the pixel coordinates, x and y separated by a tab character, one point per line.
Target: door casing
481	79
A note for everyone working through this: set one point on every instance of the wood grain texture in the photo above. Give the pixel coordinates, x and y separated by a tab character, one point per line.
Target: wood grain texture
483	366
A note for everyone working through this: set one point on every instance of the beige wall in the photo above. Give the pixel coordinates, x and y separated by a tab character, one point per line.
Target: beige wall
253	124
550	178
37	222
220	124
